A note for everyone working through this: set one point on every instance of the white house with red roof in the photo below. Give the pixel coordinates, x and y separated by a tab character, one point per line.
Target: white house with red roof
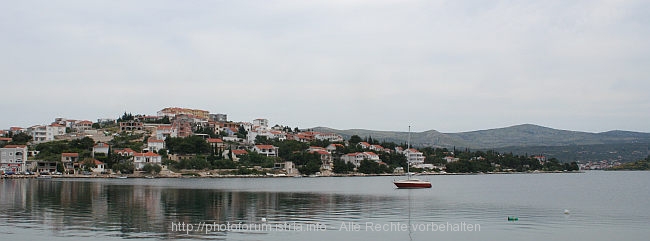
125	152
216	143
414	157
17	130
142	159
357	157
164	131
13	158
333	147
99	167
268	150
236	154
101	147
364	145
155	144
316	148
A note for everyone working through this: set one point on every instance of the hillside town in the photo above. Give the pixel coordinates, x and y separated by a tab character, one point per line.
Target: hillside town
230	140
182	141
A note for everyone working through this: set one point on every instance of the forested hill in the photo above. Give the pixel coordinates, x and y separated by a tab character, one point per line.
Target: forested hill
527	138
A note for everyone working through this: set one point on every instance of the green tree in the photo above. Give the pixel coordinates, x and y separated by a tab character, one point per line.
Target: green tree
311	167
88	164
20	138
187	145
340	167
355	139
152	169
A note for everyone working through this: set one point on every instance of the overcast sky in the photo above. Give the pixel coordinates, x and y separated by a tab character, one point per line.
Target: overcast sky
446	65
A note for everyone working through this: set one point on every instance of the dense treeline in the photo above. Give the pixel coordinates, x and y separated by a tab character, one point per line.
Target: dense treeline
637	165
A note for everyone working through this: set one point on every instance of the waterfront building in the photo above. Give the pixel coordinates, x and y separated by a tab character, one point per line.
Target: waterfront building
13	158
142	159
69	160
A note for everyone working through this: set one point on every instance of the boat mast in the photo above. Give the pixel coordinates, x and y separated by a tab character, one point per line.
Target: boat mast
408	146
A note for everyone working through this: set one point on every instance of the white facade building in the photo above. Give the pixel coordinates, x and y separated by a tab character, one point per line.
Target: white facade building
414	157
267	150
329	137
357	157
142	159
46	133
155	144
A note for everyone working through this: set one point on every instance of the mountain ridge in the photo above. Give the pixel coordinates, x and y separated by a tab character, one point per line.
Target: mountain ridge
516	136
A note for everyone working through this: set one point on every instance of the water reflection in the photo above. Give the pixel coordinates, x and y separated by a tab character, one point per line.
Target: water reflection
73	208
603	205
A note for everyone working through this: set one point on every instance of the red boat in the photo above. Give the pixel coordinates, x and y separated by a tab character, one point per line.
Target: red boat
412	183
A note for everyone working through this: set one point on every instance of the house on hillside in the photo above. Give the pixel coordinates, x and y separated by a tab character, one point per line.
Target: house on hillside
101	148
216	144
267	150
357	157
236	154
155	144
414	157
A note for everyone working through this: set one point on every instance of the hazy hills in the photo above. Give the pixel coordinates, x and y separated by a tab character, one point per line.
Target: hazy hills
526	138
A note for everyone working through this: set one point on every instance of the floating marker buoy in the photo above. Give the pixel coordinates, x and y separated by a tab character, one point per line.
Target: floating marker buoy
566	211
513	218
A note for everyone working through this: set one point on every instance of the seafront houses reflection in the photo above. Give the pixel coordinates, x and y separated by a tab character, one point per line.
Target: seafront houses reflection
136	209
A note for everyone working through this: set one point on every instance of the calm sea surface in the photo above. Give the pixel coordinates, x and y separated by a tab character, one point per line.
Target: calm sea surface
602	206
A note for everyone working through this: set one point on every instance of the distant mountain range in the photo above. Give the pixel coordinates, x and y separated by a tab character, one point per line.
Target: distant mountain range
526	138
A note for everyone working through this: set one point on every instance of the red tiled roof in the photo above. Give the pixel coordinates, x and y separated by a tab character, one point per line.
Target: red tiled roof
70	154
5	139
125	150
264	146
149	154
98	162
214	140
101	144
321	152
15	146
239	152
154	140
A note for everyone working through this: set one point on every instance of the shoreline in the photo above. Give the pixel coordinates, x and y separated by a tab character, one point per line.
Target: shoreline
192	175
